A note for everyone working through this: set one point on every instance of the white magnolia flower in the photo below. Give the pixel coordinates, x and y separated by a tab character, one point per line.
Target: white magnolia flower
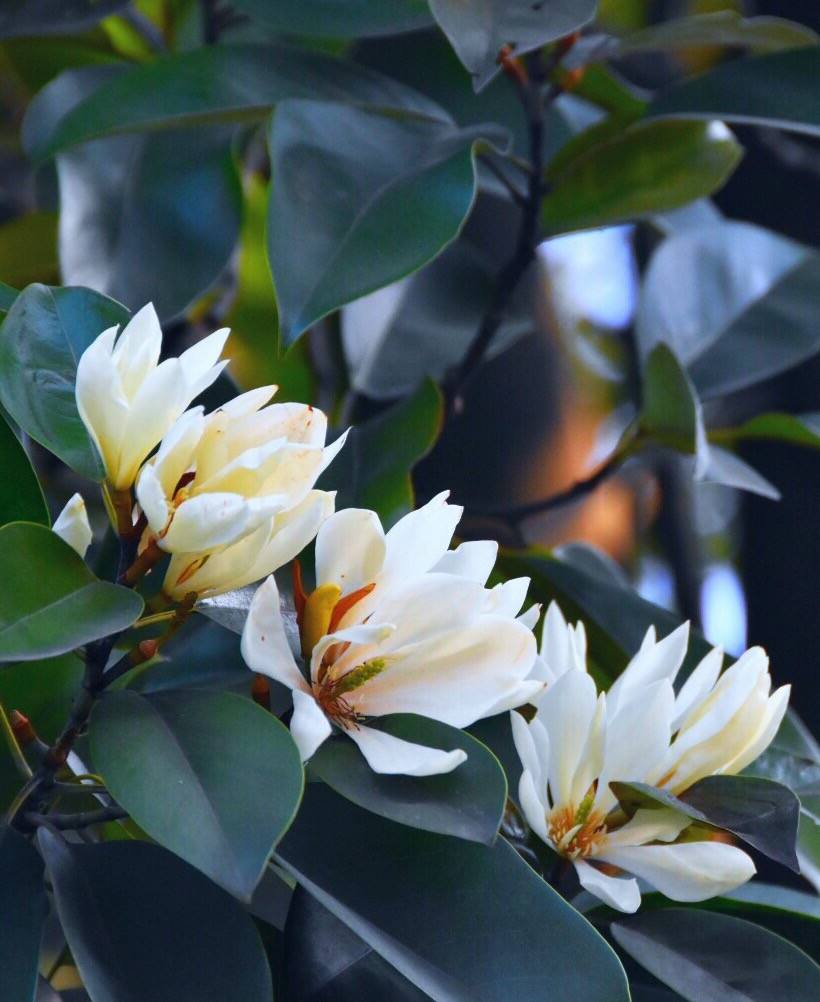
72	525
128	400
397	624
217	478
254	557
641	731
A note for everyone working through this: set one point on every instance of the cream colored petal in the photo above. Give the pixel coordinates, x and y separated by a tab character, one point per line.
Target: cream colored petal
392	756
248	474
364	642
265	646
567	711
649	825
620	893
138	349
72	525
101	402
776	708
507	598
248	402
533	746
691	871
309	727
350	549
152	499
591	763
473	560
456	677
698	685
176	453
653	662
294	472
212	520
515	695
533	805
418	541
199	363
298	423
425	606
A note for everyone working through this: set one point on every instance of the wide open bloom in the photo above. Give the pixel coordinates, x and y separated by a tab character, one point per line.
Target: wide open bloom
218	478
128	400
642	731
397	624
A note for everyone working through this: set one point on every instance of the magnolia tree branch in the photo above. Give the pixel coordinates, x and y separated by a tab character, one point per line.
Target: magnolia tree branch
75	822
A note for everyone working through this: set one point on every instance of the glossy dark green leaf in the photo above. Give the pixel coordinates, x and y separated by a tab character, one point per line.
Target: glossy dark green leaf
23	905
41	340
707	957
142	924
477	29
131	224
21	497
723	28
453	293
53	17
735	302
796	429
776	90
368	197
762	813
467	803
208	85
211	776
671	411
651	167
331	19
448	935
51	602
373	470
43	691
327	962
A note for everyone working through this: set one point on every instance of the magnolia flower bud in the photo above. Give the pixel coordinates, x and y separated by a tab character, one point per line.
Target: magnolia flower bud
217	478
72	525
128	400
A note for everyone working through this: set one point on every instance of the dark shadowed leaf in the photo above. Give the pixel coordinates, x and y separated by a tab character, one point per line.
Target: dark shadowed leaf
211	776
761	812
467	802
373	470
327	962
21	497
449	937
210	84
368	198
142	924
651	167
41	340
53	17
7	297
777	90
478	29
51	602
735	302
707	957
671	412
724	27
23	905
331	19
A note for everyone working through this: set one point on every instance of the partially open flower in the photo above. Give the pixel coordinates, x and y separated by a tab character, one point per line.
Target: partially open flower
396	624
71	525
128	399
220	477
641	731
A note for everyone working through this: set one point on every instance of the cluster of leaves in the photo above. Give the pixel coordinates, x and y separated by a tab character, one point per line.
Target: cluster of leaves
230	876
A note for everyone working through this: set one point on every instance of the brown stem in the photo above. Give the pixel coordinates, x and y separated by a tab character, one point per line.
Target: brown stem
146	560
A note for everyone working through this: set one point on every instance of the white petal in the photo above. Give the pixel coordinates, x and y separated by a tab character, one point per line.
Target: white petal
533	805
776	708
249	402
72	525
515	695
151	496
363	642
176	453
332	451
567	712
591	763
530	617
698	685
691	871
534	757
248	473
299	423
507	598
199	363
562	647
637	739
265	646
649	825
207	521
418	541
455	677
620	893
350	549
139	344
101	401
652	663
474	560
391	756
425	606
309	727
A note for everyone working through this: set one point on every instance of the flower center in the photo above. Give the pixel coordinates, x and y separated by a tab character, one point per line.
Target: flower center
577	833
331	692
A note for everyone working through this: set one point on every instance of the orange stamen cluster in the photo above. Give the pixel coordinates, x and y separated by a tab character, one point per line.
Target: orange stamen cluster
573	838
